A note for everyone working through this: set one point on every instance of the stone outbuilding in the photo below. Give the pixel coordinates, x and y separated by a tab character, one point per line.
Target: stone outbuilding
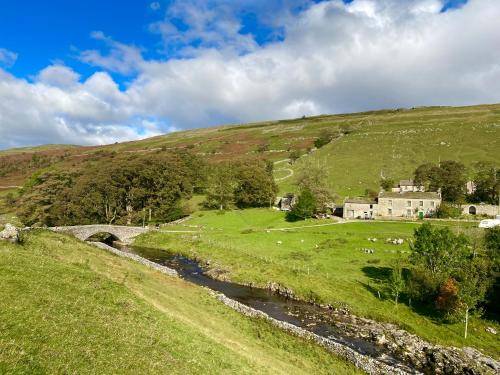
481	209
414	204
287	202
360	208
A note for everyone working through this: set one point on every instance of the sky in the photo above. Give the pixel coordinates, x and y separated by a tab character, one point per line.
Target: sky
97	72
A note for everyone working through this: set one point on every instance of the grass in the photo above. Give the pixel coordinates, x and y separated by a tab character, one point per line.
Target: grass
320	262
67	307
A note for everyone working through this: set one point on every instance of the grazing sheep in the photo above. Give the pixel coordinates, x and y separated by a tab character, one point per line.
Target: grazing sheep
279	242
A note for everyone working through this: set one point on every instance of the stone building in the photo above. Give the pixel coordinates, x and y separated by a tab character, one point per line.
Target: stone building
407	186
412	204
360	208
287	202
480	209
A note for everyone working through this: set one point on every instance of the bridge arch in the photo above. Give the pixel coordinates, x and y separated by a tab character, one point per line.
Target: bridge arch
84	232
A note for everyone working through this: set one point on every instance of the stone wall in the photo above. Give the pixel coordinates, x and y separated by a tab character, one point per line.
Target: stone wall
137	258
481	209
365	363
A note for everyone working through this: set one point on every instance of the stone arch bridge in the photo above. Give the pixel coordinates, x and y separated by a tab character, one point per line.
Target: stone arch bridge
121	232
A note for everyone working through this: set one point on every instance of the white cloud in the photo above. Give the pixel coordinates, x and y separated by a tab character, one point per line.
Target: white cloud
7	58
58	76
155	5
335	57
122	58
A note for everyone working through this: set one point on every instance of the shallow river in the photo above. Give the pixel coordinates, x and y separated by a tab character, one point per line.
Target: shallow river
302	314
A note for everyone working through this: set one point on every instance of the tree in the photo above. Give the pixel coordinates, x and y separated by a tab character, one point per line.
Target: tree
221	185
304	208
396	280
314	178
255	186
453	180
449	176
473	283
386	184
487	183
436	253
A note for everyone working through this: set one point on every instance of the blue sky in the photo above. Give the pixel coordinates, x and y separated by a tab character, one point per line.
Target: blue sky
42	32
102	71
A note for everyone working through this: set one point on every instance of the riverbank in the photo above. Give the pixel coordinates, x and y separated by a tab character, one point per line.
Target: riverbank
68	307
328	265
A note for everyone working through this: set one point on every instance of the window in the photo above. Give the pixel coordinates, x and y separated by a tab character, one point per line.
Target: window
408	203
389	211
371	206
390	202
408	212
421	203
432	204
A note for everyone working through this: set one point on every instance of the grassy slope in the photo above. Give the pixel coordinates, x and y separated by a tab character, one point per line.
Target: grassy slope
394	141
67	307
335	272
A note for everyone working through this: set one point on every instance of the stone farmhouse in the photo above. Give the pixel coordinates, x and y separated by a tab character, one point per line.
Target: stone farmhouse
412	204
407	200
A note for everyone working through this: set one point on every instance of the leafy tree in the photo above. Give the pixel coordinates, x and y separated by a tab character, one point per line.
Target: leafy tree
255	186
304	208
487	183
453	180
449	176
221	185
314	178
386	184
436	252
396	281
492	244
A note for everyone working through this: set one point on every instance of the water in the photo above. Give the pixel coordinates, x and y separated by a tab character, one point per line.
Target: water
302	314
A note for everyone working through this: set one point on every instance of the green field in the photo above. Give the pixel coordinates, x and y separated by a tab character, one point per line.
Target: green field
318	260
68	307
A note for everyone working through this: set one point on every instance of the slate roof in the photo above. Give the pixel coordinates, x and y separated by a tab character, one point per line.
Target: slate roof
410	195
361	200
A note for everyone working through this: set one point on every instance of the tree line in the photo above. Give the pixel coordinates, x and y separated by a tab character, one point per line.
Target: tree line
143	189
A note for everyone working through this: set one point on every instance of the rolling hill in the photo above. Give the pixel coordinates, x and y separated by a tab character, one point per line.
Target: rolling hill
388	142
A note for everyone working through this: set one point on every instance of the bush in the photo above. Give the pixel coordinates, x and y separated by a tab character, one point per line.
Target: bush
448	210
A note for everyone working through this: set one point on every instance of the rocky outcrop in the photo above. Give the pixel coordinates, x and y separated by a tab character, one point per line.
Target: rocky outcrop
411	349
10	233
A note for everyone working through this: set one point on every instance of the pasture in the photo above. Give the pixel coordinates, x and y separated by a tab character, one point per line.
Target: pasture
320	261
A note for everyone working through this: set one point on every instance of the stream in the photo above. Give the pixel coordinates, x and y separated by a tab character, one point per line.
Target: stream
302	314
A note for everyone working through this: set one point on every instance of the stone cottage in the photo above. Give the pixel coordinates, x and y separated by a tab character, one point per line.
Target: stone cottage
360	208
287	202
412	204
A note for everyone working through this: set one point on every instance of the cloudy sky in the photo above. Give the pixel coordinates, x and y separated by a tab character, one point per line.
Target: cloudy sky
100	71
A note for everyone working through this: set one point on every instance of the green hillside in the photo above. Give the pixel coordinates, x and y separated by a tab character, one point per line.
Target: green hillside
393	142
67	307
